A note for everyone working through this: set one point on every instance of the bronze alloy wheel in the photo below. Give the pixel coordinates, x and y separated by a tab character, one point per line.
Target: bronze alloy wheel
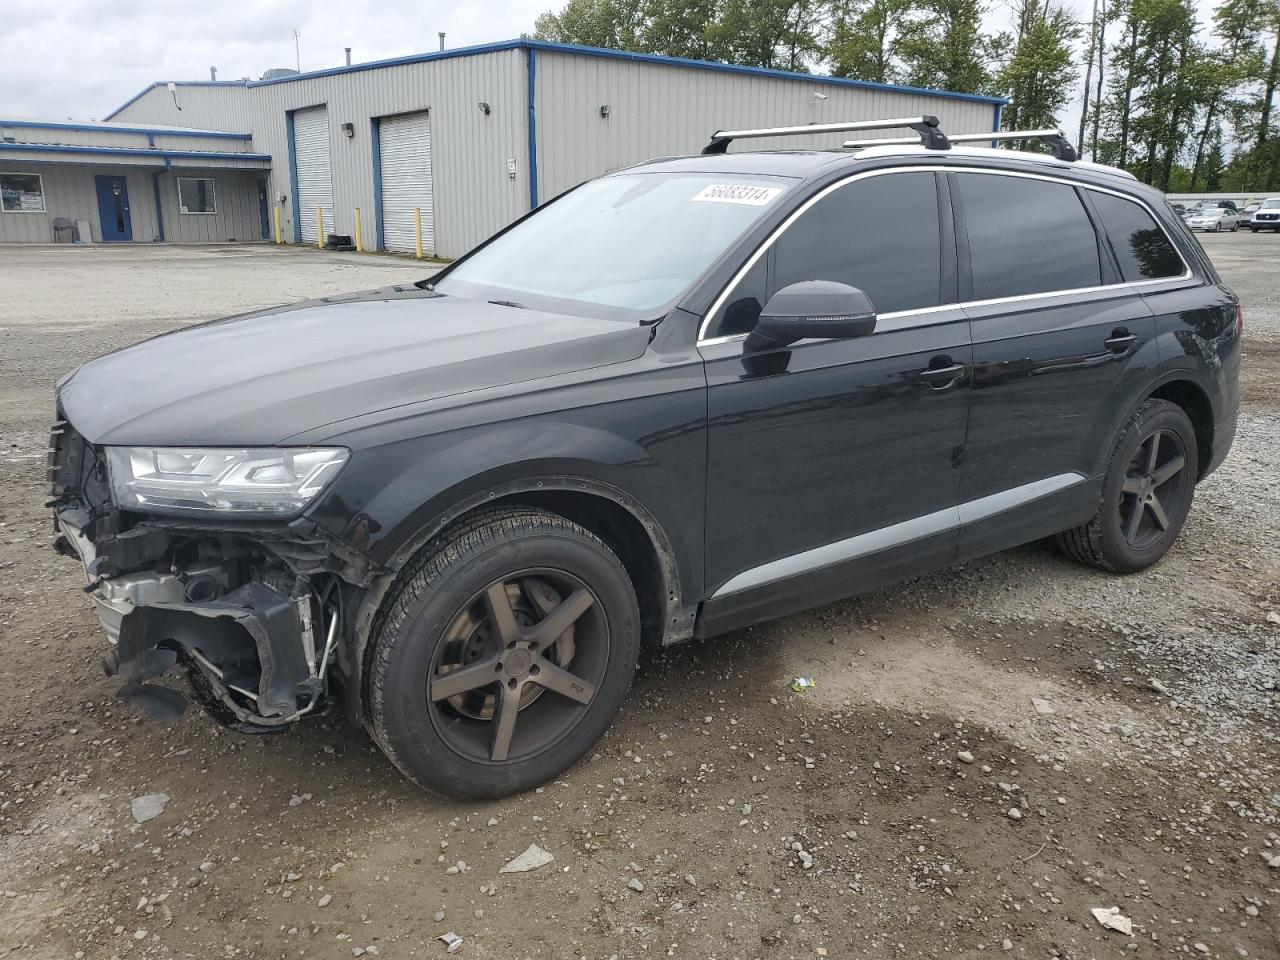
518	666
1153	483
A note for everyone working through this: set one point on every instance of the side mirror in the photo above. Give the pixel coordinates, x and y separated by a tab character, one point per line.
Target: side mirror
813	308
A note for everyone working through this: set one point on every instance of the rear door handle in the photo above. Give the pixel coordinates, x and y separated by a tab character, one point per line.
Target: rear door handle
1120	341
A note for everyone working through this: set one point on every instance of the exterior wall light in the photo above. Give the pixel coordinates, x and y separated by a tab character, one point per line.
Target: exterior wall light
605	110
348	130
484	107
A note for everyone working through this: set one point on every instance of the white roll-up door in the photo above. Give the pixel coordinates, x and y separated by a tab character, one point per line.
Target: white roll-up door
312	170
404	144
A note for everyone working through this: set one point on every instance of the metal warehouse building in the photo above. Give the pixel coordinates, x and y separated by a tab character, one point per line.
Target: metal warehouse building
464	141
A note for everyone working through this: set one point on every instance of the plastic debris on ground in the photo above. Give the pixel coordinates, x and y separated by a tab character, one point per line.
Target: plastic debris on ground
1113	919
802	683
531	859
452	942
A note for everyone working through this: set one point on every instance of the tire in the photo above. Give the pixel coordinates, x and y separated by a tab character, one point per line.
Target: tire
1253	229
1110	540
449	734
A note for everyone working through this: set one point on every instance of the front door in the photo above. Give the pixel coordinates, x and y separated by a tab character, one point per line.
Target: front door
113	209
1060	345
835	463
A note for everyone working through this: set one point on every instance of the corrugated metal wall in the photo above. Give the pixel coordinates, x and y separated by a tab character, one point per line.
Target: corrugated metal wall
655	109
220	106
69	192
660	110
236	198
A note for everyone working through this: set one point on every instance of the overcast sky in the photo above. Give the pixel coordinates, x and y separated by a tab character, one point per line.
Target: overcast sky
80	59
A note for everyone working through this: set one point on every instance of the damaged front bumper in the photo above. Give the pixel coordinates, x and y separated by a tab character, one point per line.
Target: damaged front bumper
252	614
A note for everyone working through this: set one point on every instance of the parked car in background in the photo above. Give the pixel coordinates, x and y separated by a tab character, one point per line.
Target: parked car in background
1267	216
1212	219
1248	210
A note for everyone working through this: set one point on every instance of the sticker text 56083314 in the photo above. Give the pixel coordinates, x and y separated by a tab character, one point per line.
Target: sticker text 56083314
737	193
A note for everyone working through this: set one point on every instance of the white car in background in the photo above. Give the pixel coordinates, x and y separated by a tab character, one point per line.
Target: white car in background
1267	216
1212	218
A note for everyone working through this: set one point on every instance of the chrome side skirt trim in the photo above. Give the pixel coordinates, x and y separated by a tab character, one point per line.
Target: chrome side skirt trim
898	534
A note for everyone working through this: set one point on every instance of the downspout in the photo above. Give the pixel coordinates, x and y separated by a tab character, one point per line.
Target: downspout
531	73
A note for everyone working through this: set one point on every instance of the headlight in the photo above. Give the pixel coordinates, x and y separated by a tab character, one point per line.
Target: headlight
256	480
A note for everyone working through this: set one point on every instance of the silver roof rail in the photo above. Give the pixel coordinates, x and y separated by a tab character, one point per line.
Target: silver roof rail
930	134
1058	143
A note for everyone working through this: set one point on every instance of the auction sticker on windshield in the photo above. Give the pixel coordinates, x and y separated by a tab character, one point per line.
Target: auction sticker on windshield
737	193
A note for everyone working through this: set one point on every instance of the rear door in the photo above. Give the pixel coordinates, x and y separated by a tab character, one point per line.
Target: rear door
833	465
1061	345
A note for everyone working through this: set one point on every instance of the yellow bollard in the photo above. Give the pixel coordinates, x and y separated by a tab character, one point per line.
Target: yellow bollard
279	229
417	230
359	233
320	227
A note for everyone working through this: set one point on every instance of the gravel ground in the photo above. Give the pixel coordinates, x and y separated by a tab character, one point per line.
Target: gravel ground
988	754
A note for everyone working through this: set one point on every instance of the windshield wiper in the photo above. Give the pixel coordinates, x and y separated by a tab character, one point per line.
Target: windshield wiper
509	303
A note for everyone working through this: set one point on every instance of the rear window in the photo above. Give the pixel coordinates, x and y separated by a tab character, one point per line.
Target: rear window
1142	249
1027	236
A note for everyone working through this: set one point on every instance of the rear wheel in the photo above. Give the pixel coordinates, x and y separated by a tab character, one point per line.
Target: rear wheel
505	654
1146	494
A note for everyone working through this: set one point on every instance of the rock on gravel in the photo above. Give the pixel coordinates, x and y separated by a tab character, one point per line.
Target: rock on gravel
149	806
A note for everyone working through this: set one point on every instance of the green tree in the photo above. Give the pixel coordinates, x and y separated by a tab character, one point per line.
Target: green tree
863	42
942	46
1038	76
594	23
778	34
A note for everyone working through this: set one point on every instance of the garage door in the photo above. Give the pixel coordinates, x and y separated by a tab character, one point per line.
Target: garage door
311	169
404	144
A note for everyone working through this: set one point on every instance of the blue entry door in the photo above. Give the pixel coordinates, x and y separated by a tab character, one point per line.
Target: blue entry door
113	209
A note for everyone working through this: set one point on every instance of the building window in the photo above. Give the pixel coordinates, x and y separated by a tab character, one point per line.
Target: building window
21	193
195	195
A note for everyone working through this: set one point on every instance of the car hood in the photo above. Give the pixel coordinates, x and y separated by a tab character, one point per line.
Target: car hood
259	378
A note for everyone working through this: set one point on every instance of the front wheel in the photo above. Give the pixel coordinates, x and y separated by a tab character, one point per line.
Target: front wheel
505	653
1146	493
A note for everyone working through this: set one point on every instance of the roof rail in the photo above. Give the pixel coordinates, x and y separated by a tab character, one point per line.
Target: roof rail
930	134
1057	141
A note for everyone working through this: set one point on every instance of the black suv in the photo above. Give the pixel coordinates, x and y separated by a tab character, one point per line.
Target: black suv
681	398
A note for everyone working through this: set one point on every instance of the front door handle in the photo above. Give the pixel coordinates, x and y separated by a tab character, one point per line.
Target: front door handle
1120	340
941	377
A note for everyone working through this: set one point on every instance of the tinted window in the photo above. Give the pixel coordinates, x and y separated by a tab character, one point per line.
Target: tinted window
879	234
1027	236
1141	247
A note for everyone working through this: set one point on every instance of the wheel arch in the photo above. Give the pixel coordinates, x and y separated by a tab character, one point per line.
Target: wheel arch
621	521
1195	403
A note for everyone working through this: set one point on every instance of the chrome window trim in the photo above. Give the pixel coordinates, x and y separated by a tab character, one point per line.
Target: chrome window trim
897	534
737	278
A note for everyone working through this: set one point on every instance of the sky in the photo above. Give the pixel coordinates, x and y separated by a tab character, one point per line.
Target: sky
80	59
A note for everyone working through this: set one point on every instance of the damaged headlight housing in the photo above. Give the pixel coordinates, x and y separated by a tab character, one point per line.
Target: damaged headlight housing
247	481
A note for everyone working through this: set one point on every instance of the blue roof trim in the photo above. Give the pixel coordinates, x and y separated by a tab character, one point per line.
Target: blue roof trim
177	83
116	128
161	153
754	71
570	48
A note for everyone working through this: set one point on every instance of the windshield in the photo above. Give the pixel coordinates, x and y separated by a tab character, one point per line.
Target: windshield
1271	204
624	246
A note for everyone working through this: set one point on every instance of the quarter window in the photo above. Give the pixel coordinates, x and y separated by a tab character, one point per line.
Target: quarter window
1141	247
21	193
195	195
1027	236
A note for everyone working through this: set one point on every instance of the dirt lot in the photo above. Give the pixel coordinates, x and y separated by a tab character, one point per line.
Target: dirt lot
724	816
